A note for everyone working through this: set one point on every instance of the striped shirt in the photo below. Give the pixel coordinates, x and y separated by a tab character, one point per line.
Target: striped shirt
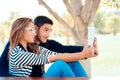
20	62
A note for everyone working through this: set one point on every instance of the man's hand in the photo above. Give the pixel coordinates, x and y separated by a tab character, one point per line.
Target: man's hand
95	46
90	51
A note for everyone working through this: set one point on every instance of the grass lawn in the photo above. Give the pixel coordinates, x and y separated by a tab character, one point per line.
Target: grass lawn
108	61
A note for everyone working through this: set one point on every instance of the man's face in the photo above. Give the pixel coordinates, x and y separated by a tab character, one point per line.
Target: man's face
44	32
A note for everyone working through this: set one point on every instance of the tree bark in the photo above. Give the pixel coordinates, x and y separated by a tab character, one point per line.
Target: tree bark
82	16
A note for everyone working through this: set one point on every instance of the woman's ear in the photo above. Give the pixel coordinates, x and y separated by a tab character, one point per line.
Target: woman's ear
36	28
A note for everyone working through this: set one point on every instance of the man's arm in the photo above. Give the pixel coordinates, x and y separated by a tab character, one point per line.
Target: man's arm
57	47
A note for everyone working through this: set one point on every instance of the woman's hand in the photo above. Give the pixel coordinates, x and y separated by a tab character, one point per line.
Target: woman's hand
90	51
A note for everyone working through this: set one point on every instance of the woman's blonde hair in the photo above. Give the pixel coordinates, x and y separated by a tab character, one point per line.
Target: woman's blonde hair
17	31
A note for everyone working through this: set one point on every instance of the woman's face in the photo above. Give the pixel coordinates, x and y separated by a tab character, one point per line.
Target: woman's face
29	33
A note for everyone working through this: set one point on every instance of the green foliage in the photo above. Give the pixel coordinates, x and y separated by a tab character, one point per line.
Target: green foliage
111	3
99	22
114	24
5	29
5	26
107	23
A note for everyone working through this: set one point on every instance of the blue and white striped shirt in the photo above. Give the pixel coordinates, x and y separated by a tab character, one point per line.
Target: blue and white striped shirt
21	61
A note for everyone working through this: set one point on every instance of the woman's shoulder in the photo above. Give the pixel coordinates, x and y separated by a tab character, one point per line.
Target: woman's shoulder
18	48
41	48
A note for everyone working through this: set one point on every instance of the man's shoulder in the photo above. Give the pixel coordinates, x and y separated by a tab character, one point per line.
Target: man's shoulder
51	41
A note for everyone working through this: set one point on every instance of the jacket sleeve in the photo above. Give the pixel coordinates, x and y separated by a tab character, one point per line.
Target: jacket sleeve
4	61
4	55
57	47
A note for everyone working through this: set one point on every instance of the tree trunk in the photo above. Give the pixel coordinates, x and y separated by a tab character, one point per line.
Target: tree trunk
82	15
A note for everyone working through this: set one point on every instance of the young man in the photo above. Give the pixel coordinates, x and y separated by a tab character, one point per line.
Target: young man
44	25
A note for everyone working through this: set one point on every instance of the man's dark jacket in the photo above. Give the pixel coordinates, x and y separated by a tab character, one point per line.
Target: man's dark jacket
50	44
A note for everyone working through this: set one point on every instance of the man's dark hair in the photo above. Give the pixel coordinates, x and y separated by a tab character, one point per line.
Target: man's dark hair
41	20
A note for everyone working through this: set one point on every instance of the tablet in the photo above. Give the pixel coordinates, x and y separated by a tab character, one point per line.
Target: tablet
91	35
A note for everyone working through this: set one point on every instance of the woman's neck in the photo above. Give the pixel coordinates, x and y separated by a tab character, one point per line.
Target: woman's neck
24	44
37	41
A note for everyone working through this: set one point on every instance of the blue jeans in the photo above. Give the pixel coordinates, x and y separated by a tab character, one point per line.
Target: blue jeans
62	69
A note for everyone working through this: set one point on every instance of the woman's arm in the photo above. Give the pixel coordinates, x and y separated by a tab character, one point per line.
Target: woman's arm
20	57
87	52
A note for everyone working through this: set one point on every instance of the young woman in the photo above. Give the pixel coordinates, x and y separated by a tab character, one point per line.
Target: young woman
24	56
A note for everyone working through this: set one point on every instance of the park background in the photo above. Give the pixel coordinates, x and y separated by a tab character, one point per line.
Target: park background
106	22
